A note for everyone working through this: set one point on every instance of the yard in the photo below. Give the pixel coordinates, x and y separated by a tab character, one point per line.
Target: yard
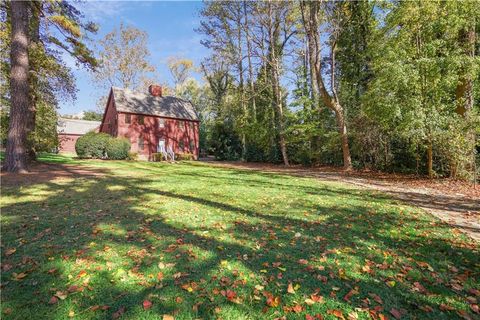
138	240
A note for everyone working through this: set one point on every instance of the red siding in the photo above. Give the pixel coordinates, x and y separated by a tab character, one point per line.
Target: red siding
67	142
110	123
151	132
114	124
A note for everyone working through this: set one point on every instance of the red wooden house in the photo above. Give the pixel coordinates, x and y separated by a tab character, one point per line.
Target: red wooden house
152	120
69	130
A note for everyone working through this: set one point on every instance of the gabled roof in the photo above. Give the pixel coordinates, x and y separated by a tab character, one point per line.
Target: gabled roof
141	103
74	126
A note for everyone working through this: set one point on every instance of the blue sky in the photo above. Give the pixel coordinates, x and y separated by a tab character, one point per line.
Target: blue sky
171	29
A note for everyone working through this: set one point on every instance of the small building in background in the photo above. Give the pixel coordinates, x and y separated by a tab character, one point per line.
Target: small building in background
152	122
69	130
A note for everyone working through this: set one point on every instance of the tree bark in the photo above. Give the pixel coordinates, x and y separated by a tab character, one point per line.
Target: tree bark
273	35
16	155
311	25
430	160
250	67
464	91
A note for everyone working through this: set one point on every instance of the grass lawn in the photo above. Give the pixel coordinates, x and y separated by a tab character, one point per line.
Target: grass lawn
189	240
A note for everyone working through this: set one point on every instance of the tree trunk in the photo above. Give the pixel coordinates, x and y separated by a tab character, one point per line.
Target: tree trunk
347	160
273	35
250	67
464	91
430	160
331	101
16	155
34	46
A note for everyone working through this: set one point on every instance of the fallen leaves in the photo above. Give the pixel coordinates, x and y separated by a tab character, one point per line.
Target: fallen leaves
147	304
10	251
337	313
272	301
117	314
395	313
18	276
290	288
53	300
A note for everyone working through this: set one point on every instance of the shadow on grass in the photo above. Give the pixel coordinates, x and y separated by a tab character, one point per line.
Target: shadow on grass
111	235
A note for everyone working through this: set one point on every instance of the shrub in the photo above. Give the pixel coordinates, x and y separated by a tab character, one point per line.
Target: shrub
184	156
158	156
117	148
132	155
92	145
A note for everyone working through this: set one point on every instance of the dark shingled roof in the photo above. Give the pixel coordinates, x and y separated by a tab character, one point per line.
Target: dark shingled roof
167	106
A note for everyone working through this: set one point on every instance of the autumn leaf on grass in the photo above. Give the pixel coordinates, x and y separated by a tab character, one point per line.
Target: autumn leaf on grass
336	313
395	313
230	295
82	274
160	276
53	300
290	288
18	276
350	294
10	251
315	317
147	304
62	295
168	317
271	300
475	308
118	313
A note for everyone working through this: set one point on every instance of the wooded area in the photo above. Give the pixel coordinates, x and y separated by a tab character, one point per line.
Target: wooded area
381	85
388	86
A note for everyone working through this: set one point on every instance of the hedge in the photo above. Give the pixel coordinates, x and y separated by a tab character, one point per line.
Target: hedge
117	148
102	146
92	145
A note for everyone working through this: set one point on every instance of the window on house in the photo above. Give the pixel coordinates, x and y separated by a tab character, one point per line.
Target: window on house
181	125
181	145
140	119
128	118
141	144
161	123
192	146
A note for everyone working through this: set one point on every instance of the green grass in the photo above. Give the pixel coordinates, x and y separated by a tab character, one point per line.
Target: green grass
207	230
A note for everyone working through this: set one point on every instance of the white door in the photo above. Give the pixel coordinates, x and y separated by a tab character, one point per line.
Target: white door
161	145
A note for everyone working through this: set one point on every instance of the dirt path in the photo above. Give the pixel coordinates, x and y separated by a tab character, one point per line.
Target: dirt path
455	202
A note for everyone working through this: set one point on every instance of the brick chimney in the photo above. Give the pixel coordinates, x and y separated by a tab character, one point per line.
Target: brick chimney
155	90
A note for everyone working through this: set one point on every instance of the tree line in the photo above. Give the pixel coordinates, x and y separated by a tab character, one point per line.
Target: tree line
381	85
388	86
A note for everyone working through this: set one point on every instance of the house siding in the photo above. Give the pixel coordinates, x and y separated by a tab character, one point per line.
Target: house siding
172	132
66	142
110	119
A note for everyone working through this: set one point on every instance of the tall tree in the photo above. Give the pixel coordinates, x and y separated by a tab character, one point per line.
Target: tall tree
53	27
124	59
16	157
311	16
180	69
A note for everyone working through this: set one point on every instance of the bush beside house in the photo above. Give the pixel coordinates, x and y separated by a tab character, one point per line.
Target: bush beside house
102	146
117	148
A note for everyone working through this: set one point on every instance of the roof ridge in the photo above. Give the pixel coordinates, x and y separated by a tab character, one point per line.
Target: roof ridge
78	120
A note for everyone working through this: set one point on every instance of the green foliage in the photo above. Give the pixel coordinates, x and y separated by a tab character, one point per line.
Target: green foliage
99	145
133	156
226	145
92	116
92	145
117	148
184	156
